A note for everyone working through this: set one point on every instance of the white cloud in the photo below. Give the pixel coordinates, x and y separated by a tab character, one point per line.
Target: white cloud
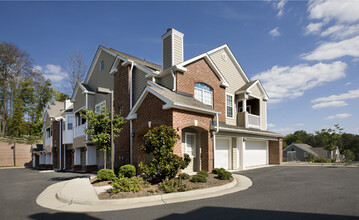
339	32
314	28
348	84
330	104
274	32
338	116
297	125
333	50
291	82
270	125
344	11
280	6
284	130
37	69
351	94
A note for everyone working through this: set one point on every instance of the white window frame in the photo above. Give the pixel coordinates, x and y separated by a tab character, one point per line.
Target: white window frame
100	104
227	94
69	120
203	91
194	150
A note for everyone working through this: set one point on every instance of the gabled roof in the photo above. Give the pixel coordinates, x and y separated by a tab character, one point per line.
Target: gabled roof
84	87
304	147
55	109
172	100
237	129
246	88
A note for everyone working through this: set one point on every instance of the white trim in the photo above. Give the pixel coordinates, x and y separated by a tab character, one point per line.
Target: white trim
86	123
237	147
261	88
238	130
232	105
172	49
194	151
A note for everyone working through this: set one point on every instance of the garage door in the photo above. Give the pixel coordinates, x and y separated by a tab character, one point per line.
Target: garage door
222	153
255	153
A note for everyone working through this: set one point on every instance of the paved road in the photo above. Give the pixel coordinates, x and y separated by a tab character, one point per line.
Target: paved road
277	193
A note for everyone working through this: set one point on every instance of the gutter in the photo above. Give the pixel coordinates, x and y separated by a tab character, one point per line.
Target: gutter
131	94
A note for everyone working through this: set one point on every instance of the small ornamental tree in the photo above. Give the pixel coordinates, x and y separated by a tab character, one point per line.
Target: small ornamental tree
330	137
100	128
159	142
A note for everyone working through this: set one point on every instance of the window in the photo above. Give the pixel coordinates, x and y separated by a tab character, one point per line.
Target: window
229	106
99	106
190	144
47	132
102	65
51	131
120	111
80	120
203	93
69	122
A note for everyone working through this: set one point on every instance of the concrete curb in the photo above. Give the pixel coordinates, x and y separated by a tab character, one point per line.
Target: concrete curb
66	201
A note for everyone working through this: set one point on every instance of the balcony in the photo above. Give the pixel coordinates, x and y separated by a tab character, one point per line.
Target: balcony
253	121
67	136
79	130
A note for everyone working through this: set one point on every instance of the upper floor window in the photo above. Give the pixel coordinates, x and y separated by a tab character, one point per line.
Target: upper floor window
99	107
120	111
229	106
102	65
69	122
203	93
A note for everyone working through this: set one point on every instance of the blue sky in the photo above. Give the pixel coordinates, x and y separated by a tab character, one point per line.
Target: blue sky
306	54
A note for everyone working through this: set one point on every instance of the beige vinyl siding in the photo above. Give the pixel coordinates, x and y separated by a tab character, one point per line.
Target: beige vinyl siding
231	74
177	50
263	114
80	100
166	81
241	119
167	55
79	142
102	78
255	91
139	83
47	124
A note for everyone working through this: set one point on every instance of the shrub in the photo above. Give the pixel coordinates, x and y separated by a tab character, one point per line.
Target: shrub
125	184
159	142
128	170
215	170
202	173
105	174
224	175
183	176
199	178
310	157
173	185
321	160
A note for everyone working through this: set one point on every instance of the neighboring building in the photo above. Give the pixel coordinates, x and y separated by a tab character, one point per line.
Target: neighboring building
300	152
220	115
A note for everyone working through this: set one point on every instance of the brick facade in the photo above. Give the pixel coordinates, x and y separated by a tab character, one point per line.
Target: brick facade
199	71
275	151
56	144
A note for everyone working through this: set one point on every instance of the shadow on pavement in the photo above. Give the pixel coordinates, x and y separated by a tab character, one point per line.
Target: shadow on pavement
233	213
61	215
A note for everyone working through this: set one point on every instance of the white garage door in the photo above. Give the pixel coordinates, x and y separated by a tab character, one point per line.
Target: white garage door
255	153
222	153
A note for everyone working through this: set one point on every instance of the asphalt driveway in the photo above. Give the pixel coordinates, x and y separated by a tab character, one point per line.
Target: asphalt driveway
277	193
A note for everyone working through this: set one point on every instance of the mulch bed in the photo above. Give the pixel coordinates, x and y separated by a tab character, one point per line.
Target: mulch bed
212	181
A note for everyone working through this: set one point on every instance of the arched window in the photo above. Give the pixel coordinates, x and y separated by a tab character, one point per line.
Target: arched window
203	93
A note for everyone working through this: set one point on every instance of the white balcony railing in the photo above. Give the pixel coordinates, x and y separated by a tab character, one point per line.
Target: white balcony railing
67	136
253	121
48	141
79	130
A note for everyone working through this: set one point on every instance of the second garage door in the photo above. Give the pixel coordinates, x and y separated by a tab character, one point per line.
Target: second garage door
255	153
222	153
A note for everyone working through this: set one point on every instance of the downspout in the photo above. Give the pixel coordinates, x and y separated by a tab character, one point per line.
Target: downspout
131	92
60	143
174	80
214	140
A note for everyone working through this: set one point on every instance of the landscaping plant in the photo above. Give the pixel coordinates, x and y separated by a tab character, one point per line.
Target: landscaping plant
173	185
183	176
159	142
224	174
128	170
125	184
199	178
105	174
202	173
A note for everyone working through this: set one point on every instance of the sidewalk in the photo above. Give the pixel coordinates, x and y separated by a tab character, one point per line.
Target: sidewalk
78	195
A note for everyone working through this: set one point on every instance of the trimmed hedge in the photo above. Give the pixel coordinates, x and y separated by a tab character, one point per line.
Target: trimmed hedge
128	170
224	175
105	174
202	173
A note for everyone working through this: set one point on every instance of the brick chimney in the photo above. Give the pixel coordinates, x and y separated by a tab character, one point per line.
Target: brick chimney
172	48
